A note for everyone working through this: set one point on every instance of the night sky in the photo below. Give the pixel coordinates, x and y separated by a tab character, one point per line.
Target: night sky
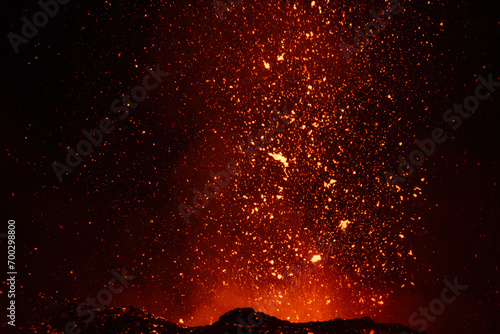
338	126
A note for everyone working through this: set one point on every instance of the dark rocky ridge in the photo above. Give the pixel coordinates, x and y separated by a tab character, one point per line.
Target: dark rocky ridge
130	319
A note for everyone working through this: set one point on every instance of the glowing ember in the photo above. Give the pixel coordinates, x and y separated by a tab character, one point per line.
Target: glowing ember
316	258
280	158
343	224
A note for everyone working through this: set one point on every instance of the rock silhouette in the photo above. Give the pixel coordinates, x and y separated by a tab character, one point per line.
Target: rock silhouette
129	319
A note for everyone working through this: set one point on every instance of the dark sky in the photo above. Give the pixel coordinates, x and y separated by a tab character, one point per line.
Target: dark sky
349	122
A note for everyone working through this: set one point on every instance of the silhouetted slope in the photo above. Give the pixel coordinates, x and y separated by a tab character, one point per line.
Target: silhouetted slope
53	319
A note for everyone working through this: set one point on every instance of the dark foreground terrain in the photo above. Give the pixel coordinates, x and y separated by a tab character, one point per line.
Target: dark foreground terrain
55	318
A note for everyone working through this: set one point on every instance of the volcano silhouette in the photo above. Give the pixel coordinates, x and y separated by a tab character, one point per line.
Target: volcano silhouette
130	319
